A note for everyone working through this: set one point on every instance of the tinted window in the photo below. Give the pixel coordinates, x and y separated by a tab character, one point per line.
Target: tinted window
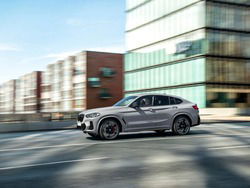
125	101
145	101
161	100
178	101
172	101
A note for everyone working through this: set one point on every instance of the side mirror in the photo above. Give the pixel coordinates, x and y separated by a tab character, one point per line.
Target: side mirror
134	105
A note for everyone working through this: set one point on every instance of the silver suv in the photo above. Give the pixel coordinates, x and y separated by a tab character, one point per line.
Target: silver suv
140	113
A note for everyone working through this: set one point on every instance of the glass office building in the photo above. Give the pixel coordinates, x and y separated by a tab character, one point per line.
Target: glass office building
196	49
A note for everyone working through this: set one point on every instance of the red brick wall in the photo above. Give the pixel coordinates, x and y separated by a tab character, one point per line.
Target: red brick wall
95	61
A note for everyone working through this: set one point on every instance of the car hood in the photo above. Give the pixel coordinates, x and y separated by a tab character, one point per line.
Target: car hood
103	110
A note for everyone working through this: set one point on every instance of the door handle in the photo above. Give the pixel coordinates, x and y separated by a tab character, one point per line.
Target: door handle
174	107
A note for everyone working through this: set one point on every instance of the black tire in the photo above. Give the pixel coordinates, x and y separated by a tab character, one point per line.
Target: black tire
160	131
109	129
181	125
93	135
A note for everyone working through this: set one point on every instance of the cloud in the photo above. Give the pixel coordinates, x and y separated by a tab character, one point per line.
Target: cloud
61	55
65	54
8	47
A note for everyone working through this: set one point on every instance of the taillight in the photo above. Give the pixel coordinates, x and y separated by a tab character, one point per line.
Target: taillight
195	107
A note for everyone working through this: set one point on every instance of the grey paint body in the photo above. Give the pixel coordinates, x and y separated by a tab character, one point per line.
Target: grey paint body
142	118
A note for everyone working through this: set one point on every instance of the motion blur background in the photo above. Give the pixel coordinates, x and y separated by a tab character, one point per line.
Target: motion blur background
196	49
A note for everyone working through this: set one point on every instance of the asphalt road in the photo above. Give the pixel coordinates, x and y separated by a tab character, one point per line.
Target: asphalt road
212	155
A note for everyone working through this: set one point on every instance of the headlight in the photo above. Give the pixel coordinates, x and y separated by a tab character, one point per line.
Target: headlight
92	115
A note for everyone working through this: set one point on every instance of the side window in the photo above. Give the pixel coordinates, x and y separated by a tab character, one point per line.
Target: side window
172	101
161	100
178	101
145	101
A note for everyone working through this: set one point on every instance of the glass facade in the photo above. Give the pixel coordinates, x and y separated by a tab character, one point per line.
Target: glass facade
166	75
228	16
227	96
226	43
185	20
189	48
242	2
166	51
227	70
153	10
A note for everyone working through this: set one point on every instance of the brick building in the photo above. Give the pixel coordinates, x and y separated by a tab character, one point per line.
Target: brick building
7	97
86	80
28	93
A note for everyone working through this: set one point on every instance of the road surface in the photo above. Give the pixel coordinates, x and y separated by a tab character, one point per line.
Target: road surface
212	155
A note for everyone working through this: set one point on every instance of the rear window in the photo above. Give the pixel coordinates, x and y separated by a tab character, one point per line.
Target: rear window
178	101
174	101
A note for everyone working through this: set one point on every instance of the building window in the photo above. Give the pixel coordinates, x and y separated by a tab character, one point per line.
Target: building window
241	98
105	94
94	82
78	72
79	104
107	72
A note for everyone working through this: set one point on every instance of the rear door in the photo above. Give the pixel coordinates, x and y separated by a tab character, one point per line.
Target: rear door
162	111
164	108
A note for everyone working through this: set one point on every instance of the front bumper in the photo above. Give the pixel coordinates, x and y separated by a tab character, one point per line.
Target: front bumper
87	125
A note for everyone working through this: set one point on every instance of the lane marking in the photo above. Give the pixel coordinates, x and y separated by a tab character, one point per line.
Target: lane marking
228	147
44	147
53	163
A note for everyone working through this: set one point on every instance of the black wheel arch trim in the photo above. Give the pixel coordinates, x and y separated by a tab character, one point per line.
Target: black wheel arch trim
182	114
121	123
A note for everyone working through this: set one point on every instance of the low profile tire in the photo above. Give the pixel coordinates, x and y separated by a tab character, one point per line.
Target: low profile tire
160	131
93	135
181	125
109	129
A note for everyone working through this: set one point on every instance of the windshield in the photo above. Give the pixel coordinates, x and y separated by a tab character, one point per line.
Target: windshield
125	101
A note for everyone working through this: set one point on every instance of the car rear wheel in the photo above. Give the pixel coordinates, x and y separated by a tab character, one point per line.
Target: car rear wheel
181	125
109	129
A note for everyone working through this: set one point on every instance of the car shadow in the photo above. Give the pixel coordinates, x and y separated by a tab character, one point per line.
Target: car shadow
143	135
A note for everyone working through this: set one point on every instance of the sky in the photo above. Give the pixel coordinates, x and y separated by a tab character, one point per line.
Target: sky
34	33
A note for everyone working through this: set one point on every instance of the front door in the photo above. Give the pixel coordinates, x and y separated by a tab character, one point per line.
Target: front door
141	116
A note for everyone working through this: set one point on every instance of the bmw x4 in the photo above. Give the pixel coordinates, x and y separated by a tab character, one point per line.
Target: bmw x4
140	113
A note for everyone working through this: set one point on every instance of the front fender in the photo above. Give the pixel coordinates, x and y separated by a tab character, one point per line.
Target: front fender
111	116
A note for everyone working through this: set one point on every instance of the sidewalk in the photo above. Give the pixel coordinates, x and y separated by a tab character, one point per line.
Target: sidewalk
71	124
36	126
223	119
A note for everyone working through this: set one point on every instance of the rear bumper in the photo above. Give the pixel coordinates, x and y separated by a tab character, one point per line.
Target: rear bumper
198	122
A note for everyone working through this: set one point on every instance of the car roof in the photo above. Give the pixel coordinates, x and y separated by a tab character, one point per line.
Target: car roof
160	94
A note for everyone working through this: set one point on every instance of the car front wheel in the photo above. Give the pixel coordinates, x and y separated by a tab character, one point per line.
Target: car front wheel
181	125
109	129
